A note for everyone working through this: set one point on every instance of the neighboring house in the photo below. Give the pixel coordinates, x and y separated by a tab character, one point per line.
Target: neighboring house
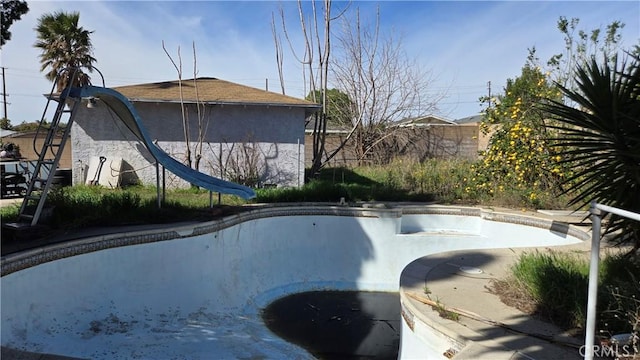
248	135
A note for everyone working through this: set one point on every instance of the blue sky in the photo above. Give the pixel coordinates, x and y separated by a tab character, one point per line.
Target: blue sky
463	44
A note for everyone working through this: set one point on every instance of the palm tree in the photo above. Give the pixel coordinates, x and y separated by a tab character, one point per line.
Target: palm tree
65	47
600	138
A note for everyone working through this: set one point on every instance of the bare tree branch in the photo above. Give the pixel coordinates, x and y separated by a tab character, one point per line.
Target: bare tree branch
279	54
383	84
185	120
203	122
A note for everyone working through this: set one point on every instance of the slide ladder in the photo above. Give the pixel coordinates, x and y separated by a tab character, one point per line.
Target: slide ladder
51	152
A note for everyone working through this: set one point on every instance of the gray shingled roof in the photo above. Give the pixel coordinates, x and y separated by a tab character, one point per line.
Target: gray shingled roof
470	119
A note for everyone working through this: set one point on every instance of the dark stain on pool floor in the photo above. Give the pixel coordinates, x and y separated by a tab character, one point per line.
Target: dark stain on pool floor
339	324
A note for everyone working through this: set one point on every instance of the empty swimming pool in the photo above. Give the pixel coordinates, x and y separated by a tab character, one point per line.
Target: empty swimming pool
196	292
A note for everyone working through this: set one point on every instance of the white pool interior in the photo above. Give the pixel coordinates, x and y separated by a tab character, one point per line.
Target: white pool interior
196	292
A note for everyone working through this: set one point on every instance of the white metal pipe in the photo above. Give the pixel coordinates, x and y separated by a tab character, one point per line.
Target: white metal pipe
164	184
593	282
299	157
596	218
158	201
625	213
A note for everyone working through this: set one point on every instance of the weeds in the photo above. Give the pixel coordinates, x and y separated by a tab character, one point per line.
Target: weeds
445	313
85	206
441	181
9	213
555	288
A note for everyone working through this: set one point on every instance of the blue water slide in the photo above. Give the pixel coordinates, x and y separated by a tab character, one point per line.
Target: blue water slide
129	116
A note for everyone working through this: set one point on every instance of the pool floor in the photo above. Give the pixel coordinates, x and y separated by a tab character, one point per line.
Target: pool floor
170	335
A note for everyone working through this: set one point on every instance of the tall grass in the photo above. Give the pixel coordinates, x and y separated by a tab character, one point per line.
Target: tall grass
442	180
9	213
84	206
434	180
557	283
324	191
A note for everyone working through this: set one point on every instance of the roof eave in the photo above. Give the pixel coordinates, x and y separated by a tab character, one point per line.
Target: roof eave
230	103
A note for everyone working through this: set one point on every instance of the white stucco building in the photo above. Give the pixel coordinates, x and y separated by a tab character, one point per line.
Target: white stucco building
248	135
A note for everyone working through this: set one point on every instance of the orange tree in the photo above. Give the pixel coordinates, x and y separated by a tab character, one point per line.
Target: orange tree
522	158
519	160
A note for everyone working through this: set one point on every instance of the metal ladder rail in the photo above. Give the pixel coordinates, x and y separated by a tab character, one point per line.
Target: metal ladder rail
43	173
65	92
43	118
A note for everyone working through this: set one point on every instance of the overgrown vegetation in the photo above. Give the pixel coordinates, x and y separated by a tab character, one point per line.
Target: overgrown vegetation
86	206
440	181
553	285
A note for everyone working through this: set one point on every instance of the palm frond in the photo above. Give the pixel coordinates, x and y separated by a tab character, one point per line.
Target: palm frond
599	136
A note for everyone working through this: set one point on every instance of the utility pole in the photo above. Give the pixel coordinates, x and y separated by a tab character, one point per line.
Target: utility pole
489	88
4	94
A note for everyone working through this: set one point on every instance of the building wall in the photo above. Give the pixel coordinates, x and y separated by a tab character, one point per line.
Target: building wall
346	156
449	141
268	139
25	143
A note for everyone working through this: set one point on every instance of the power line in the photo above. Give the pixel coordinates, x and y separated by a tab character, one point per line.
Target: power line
26	95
